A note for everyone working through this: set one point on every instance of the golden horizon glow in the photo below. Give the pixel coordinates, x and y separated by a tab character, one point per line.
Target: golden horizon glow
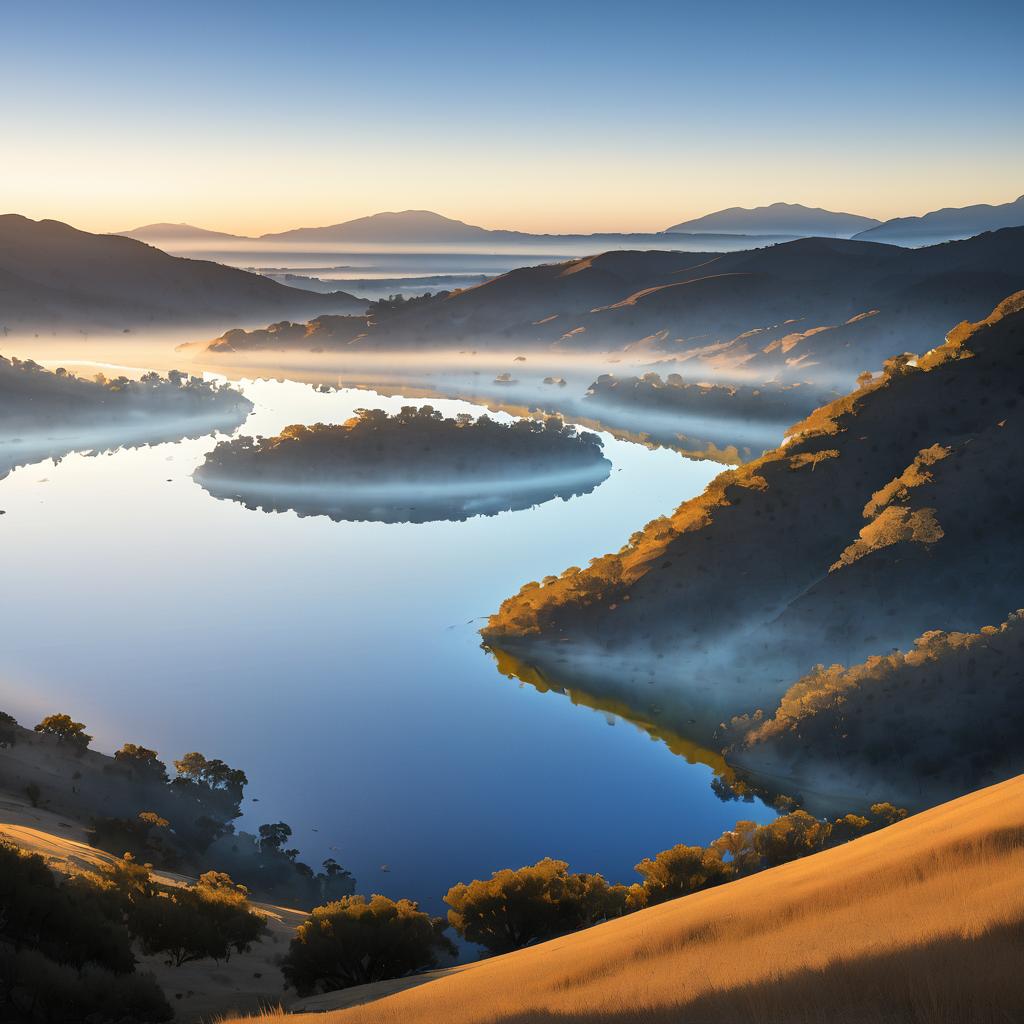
510	192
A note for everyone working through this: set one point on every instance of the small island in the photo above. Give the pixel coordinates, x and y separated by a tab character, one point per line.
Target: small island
413	466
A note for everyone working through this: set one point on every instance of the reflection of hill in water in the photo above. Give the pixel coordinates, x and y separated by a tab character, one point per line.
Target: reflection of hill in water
411	467
95	438
674	716
672	726
405	503
47	415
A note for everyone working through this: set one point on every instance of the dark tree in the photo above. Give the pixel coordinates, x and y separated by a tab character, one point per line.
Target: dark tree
355	941
143	761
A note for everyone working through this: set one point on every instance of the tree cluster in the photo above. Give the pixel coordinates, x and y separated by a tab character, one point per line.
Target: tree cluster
417	441
33	398
65	950
355	941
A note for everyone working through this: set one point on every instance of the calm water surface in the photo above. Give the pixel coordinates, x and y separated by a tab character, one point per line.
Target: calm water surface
339	664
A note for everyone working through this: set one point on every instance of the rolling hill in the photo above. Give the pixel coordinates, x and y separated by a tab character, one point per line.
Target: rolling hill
815	308
947	224
892	512
918	922
53	276
778	219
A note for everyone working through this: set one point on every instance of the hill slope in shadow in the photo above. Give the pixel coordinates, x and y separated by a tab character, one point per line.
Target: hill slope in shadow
891	512
53	276
819	309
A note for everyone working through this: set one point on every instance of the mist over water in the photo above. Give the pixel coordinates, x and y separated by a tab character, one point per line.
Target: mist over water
339	664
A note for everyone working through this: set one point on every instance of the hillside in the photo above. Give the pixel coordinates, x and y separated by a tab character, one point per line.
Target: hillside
814	309
891	512
778	219
875	722
197	990
53	276
947	224
918	922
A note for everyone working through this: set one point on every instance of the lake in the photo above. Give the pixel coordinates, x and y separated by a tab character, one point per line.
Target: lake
338	663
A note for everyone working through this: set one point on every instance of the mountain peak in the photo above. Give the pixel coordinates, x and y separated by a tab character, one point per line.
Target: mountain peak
423	226
793	219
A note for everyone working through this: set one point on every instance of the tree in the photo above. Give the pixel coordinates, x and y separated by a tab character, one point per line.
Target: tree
207	920
143	761
355	941
681	870
65	729
212	773
274	837
8	730
217	790
65	953
335	882
516	907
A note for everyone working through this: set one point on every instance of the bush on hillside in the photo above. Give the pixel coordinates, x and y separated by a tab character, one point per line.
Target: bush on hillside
355	941
516	907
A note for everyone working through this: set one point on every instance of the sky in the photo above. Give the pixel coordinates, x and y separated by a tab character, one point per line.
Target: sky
555	116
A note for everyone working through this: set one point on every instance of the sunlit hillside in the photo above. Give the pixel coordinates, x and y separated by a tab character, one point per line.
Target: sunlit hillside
922	922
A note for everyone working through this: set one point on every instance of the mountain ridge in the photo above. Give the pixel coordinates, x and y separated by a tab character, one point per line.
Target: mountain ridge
950	223
778	218
54	274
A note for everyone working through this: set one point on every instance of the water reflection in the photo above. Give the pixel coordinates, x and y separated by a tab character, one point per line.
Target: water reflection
339	665
402	503
673	726
26	449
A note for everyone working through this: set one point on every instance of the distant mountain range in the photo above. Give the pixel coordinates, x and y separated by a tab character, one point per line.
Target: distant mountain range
722	231
947	224
777	219
152	234
422	227
52	275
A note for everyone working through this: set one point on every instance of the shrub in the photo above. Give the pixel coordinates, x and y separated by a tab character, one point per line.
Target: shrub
355	941
207	920
682	870
514	908
38	989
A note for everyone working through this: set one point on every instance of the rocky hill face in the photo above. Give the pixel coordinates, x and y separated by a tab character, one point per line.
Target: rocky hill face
891	512
53	276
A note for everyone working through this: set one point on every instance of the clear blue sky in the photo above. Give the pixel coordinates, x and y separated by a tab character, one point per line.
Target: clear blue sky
560	115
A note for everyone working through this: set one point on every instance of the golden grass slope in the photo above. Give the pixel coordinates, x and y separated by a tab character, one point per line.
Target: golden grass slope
196	991
922	922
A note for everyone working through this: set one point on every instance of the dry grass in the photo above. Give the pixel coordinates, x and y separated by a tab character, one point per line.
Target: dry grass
197	991
920	923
